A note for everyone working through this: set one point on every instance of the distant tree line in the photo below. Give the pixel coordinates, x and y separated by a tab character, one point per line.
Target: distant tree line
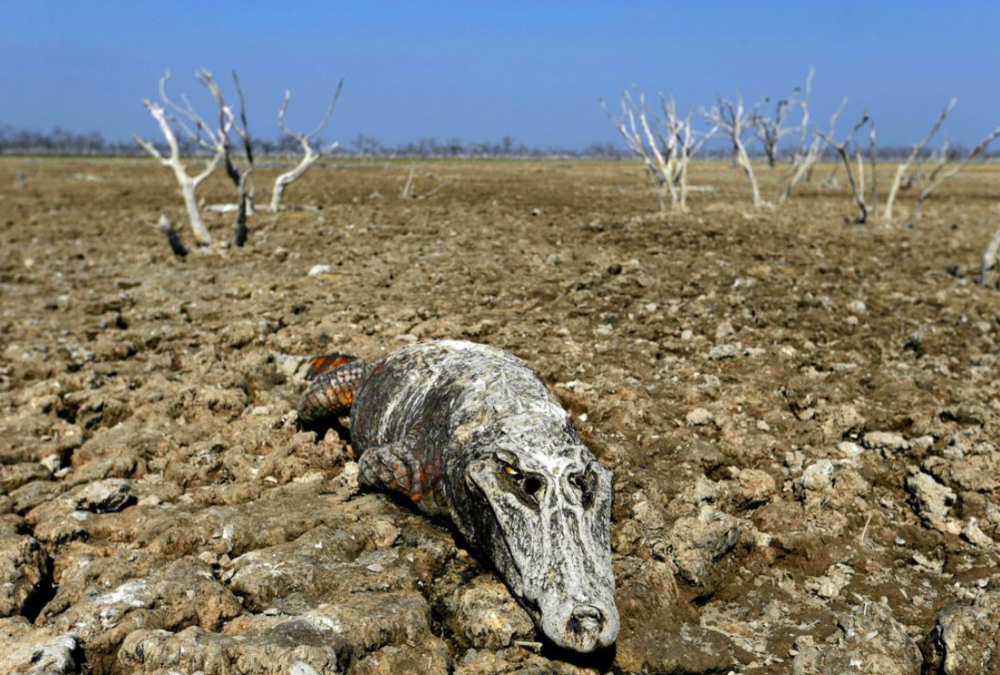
60	141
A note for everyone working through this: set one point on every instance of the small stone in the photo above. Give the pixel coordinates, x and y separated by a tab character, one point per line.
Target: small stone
932	499
698	417
756	487
104	496
280	254
885	440
725	351
53	463
975	535
927	563
386	534
818	476
724	330
535	212
150	500
850	450
317	270
856	307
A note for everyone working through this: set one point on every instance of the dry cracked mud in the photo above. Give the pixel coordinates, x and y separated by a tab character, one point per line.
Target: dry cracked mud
801	415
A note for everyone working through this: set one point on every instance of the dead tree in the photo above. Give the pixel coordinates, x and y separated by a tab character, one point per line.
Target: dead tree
806	158
770	130
855	177
991	256
406	191
735	122
686	144
310	153
803	102
241	177
198	130
409	188
939	175
903	169
642	142
665	145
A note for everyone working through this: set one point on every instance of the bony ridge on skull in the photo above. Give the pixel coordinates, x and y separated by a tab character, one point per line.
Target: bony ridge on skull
470	432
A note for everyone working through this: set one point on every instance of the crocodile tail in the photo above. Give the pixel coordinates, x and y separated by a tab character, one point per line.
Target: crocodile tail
332	389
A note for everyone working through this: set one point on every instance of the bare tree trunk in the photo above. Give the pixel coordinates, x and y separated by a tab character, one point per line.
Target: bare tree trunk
990	258
735	122
856	182
860	170
278	193
405	192
201	233
240	230
871	156
173	239
743	160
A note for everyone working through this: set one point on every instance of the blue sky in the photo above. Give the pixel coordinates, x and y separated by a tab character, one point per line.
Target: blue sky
482	70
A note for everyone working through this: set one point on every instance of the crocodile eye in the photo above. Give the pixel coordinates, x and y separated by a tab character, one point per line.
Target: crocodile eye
585	483
528	486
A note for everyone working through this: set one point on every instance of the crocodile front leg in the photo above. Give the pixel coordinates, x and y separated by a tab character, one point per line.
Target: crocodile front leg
406	468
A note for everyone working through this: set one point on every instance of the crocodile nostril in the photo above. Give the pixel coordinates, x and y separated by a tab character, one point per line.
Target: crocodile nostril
586	619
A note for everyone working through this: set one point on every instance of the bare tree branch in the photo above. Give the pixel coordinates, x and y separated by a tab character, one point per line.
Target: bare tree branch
990	258
903	168
856	181
939	177
310	154
806	156
242	178
666	145
215	140
735	121
770	130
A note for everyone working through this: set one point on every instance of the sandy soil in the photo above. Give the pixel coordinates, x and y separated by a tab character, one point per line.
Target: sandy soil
800	413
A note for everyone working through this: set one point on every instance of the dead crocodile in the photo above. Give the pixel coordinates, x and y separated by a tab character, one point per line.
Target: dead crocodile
471	433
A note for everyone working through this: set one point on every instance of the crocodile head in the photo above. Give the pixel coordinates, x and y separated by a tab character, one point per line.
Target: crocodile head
539	505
